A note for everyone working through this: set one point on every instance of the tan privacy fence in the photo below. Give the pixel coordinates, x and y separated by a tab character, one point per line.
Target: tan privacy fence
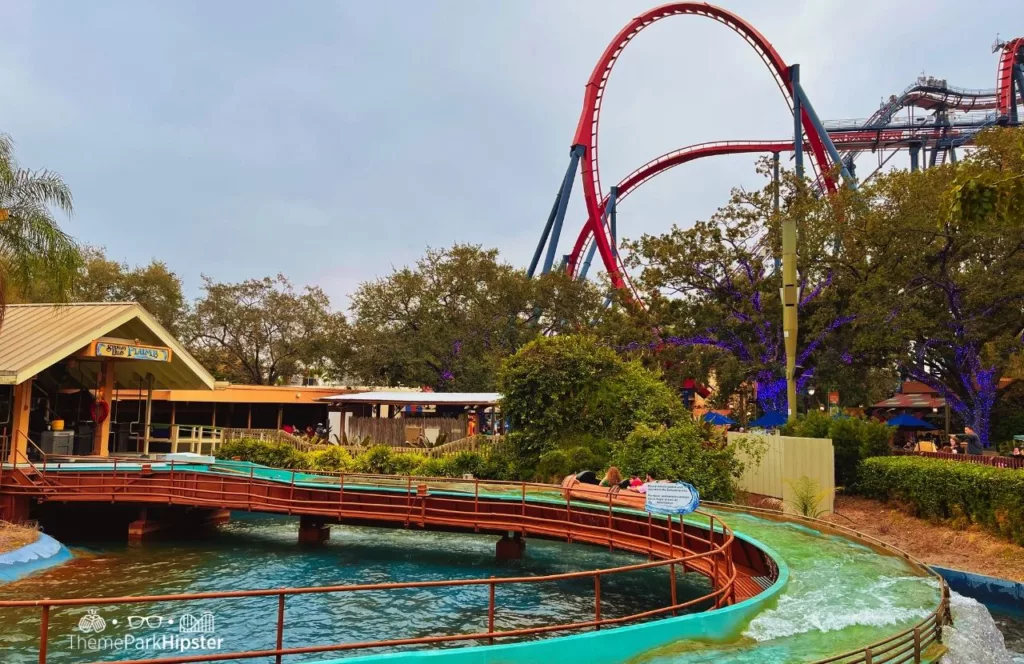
786	460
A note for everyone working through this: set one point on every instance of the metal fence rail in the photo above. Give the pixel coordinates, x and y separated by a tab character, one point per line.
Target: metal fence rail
669	542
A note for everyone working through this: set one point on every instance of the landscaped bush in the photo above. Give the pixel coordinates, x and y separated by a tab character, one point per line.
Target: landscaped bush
277	455
853	439
684	452
937	489
379	459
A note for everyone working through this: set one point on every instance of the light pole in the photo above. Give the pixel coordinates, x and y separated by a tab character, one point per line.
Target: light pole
810	393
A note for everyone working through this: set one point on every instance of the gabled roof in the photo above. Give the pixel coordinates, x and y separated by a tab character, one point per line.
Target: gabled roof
34	337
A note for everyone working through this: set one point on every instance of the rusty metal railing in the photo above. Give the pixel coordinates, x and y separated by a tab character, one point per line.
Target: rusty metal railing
414	504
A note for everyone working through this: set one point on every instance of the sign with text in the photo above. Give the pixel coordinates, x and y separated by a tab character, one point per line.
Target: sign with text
671	498
128	351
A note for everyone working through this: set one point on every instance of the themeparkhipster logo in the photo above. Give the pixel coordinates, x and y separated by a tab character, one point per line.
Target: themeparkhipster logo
186	633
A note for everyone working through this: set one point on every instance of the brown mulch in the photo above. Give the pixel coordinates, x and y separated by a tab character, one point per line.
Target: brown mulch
14	537
971	549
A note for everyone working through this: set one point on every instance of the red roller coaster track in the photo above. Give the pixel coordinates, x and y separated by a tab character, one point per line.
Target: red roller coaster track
587	129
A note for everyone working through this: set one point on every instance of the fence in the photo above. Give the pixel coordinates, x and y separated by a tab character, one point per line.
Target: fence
1016	463
404	430
786	460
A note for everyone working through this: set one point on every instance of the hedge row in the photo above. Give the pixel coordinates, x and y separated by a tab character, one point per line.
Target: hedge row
379	459
937	489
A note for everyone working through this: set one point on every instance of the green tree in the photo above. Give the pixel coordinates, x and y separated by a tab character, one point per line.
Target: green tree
937	258
261	331
154	286
449	321
32	245
568	398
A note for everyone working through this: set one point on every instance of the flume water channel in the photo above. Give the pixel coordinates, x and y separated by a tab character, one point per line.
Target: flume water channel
261	552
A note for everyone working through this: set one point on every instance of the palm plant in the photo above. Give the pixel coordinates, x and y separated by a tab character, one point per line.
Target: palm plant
33	248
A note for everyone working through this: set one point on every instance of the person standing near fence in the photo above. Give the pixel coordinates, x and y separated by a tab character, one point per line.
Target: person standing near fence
972	440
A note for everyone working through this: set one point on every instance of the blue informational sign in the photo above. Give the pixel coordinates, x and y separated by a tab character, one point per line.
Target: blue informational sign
671	498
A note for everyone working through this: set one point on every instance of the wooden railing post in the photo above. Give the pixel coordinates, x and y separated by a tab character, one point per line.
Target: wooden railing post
672	589
917	645
44	629
597	599
868	658
280	626
490	610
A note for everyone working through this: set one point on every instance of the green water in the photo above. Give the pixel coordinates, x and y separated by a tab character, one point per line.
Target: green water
841	596
261	552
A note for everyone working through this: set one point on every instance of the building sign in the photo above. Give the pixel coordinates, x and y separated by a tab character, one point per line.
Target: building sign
671	498
132	351
833	403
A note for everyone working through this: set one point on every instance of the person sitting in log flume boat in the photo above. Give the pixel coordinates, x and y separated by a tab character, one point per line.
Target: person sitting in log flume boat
612	478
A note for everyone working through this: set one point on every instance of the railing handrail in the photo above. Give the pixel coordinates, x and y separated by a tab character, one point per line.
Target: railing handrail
720	567
1013	463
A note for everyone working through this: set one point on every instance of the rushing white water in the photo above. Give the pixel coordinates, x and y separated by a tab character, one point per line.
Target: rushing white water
974	637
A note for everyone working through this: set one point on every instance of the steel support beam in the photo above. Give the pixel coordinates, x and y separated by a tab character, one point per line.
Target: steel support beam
544	236
789	283
563	202
805	103
798	128
608	214
776	185
915	150
1018	79
952	154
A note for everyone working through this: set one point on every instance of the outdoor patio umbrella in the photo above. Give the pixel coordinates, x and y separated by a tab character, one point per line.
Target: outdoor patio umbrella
769	421
906	421
718	419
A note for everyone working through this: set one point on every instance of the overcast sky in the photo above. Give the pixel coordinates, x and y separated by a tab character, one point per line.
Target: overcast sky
331	141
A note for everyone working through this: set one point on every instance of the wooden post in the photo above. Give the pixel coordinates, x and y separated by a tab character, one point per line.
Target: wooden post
280	416
280	626
597	600
672	580
149	414
19	424
917	645
248	420
44	629
490	610
213	419
174	427
101	435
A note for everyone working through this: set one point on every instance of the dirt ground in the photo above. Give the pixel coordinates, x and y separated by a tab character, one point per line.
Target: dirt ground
14	537
972	550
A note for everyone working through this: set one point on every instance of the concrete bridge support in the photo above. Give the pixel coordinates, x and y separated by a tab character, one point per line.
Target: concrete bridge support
313	531
510	548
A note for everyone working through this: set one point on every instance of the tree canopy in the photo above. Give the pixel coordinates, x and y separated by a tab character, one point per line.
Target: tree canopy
261	331
450	320
32	245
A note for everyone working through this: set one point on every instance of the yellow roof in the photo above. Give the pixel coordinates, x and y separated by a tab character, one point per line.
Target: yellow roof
34	337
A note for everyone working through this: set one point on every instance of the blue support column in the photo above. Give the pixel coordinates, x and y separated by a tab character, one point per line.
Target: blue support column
609	210
544	236
563	201
776	185
1018	78
934	157
915	150
613	198
820	129
952	153
798	124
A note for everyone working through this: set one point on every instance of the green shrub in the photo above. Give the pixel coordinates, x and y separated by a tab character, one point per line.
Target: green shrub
685	452
433	467
853	439
276	455
333	459
405	464
377	460
936	489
